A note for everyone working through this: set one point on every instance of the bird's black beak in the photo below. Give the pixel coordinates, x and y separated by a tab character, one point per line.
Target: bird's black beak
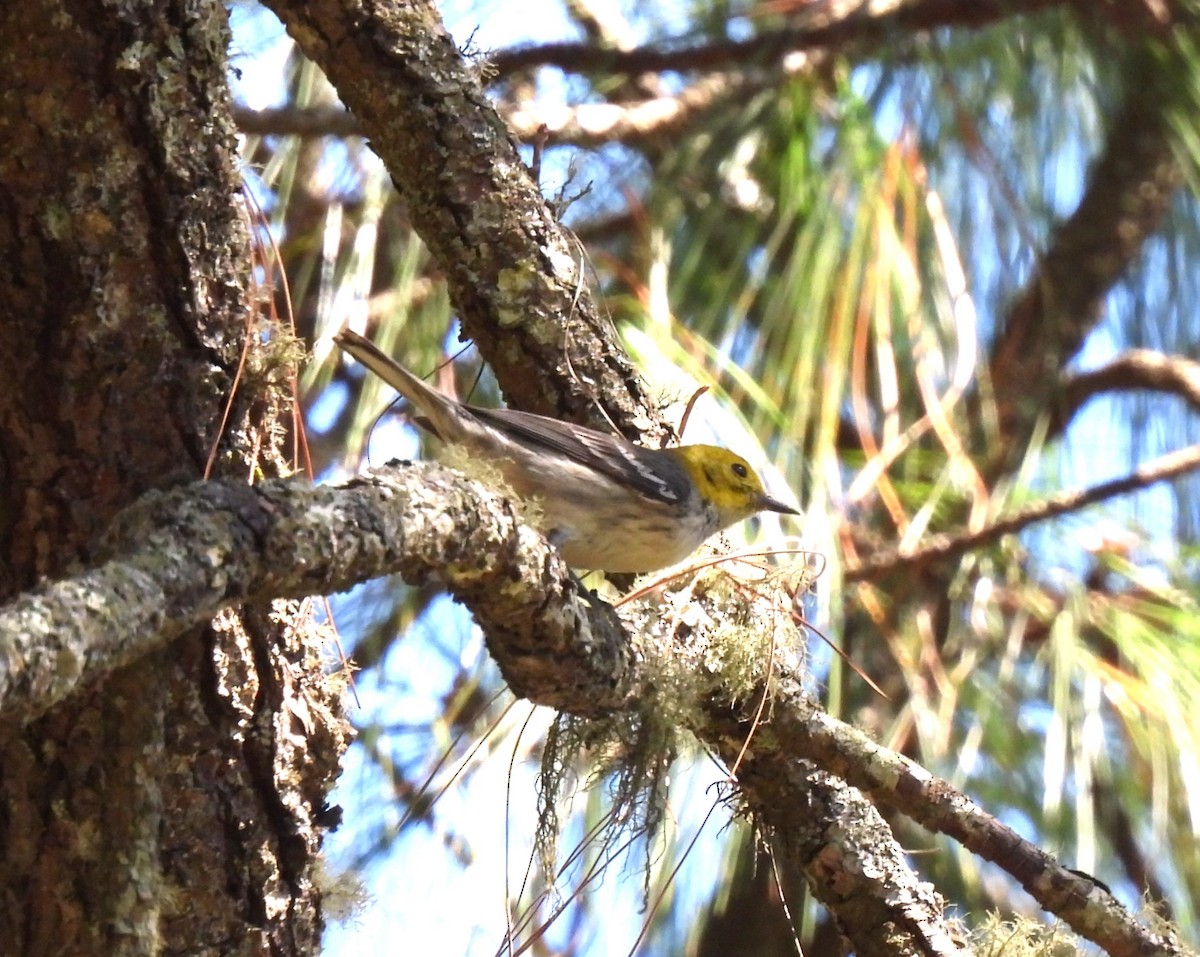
769	504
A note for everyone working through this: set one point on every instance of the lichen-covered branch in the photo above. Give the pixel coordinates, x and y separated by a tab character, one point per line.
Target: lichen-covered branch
828	832
800	729
517	279
180	557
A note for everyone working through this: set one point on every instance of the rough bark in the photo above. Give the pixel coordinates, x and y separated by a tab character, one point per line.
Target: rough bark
170	806
517	279
180	558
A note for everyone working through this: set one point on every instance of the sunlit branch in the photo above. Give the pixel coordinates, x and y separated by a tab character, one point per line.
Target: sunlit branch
593	124
1138	370
943	547
583	124
179	558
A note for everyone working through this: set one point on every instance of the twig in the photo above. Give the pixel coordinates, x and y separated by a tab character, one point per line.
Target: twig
941	547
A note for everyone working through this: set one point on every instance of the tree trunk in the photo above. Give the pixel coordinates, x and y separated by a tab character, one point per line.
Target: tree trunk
171	808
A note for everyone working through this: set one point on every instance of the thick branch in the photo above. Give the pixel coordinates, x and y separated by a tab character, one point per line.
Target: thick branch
516	278
181	557
832	835
1138	370
1126	197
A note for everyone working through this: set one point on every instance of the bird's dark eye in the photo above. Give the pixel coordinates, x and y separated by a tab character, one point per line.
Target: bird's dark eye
739	470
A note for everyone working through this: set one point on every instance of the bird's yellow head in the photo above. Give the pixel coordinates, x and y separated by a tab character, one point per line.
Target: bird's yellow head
728	483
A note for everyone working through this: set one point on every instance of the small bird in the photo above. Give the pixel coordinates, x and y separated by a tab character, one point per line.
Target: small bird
605	503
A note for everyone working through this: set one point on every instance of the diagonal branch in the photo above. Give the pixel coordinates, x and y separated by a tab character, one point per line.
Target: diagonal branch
634	122
800	730
180	557
850	859
1125	200
514	280
515	276
944	547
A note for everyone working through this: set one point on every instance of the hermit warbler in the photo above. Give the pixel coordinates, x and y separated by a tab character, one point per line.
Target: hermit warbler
608	505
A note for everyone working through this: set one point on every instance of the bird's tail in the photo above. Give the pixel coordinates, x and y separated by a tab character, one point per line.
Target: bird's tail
443	414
